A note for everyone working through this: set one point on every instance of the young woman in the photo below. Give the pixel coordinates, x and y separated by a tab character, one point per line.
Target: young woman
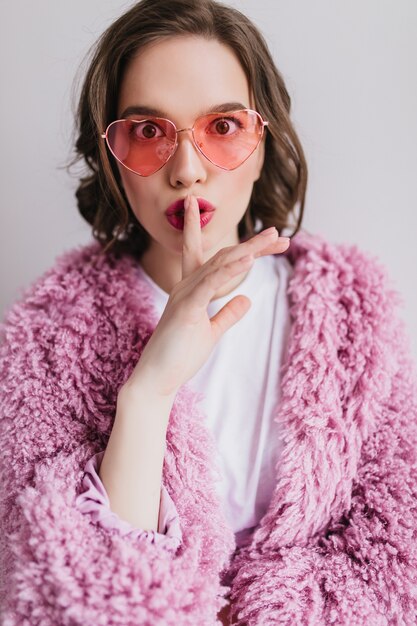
202	422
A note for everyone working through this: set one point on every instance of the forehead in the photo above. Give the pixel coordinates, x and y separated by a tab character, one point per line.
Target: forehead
184	77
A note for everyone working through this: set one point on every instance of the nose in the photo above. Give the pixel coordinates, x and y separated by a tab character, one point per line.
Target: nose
186	166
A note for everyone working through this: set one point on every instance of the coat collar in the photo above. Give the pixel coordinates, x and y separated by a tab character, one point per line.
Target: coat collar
336	373
320	444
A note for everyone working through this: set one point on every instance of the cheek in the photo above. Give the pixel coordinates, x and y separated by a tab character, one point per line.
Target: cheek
131	183
251	169
236	192
139	191
245	176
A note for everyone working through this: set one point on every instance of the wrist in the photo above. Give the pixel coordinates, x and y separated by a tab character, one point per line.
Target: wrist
147	379
139	395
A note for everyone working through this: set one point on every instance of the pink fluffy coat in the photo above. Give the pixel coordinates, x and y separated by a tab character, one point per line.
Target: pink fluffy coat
338	543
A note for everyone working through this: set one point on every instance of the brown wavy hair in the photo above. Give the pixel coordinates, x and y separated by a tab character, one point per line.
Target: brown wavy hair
281	187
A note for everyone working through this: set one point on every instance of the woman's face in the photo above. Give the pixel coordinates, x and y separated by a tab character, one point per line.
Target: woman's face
183	78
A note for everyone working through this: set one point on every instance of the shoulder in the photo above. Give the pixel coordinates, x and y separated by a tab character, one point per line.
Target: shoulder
83	290
343	271
75	271
315	253
345	297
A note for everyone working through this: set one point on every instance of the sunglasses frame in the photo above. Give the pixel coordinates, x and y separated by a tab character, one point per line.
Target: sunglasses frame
181	130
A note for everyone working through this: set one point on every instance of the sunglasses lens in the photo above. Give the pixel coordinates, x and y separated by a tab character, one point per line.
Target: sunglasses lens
227	141
142	146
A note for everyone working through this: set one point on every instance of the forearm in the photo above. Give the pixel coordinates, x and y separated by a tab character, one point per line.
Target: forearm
131	469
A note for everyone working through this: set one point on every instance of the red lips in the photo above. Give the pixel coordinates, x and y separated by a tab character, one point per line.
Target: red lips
175	213
177	207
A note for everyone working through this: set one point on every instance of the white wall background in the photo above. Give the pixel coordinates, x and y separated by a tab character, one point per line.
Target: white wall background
351	68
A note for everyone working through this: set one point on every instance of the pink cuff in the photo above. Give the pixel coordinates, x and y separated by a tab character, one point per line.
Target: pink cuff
94	501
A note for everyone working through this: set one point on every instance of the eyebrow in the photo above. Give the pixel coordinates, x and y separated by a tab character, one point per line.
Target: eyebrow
143	110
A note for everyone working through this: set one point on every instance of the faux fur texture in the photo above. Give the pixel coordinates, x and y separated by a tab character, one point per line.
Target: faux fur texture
338	543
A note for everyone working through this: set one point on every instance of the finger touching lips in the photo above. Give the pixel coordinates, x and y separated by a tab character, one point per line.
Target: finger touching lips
192	254
192	226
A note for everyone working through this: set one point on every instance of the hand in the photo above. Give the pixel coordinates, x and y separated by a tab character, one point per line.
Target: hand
185	335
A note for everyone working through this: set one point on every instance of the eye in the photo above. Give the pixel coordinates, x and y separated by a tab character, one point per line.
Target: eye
224	126
146	130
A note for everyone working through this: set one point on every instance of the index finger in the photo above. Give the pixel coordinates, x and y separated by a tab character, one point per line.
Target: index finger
192	247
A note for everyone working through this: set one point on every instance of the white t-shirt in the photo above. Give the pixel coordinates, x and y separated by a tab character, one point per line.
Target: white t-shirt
240	383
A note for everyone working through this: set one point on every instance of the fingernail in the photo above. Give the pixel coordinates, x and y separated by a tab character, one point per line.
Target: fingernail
285	239
268	231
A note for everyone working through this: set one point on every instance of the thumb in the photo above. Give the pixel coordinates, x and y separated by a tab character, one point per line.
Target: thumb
229	315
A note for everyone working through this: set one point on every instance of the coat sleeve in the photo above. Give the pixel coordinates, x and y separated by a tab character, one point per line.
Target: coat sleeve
94	501
362	569
61	360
